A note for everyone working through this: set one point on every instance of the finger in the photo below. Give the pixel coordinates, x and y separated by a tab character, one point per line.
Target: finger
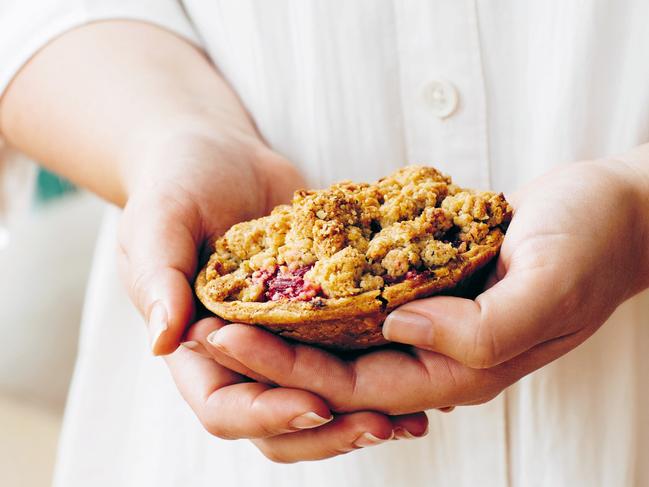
280	190
515	314
230	408
158	239
199	333
290	365
196	347
409	426
388	381
477	386
447	409
345	433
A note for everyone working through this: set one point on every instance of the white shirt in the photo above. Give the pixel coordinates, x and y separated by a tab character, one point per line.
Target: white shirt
494	92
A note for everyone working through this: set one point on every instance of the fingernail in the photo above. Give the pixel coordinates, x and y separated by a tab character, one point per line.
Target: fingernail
403	434
447	409
158	324
406	327
368	439
190	344
213	339
309	420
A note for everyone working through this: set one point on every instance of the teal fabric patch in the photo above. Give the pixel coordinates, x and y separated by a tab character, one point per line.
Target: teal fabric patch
49	186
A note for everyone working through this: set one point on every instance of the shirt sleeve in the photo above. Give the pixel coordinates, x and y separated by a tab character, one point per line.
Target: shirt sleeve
27	26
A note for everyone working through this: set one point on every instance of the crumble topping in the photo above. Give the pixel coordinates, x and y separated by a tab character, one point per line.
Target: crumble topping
354	237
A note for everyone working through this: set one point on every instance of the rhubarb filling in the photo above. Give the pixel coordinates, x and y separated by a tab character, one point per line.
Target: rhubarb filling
284	284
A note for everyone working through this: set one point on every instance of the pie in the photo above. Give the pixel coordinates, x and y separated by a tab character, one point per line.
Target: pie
329	267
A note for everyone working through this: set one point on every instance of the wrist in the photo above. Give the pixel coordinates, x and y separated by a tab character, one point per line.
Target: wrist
634	168
170	150
226	171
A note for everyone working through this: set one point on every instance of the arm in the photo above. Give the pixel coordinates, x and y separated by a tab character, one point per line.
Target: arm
117	106
142	118
91	100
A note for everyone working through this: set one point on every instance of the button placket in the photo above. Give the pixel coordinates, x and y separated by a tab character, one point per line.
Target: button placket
442	88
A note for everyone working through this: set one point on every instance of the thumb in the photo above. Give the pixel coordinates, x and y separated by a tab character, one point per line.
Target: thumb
280	178
516	314
158	238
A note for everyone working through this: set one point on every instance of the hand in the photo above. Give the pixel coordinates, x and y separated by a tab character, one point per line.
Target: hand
143	118
575	250
195	192
287	425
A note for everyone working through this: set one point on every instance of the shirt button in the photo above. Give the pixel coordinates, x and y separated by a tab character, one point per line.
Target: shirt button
440	97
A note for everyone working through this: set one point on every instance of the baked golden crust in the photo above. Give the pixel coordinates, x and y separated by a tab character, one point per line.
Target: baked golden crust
350	254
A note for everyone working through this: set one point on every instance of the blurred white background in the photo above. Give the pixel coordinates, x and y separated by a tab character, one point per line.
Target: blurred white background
43	271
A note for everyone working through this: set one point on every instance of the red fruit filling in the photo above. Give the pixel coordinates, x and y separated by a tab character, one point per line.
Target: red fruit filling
283	284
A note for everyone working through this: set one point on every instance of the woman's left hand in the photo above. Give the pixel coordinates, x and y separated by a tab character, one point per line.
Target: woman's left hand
576	249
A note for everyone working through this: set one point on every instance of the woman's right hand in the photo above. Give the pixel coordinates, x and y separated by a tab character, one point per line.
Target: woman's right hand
188	190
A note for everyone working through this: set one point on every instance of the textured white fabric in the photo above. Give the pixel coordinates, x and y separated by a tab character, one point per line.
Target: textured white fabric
337	87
